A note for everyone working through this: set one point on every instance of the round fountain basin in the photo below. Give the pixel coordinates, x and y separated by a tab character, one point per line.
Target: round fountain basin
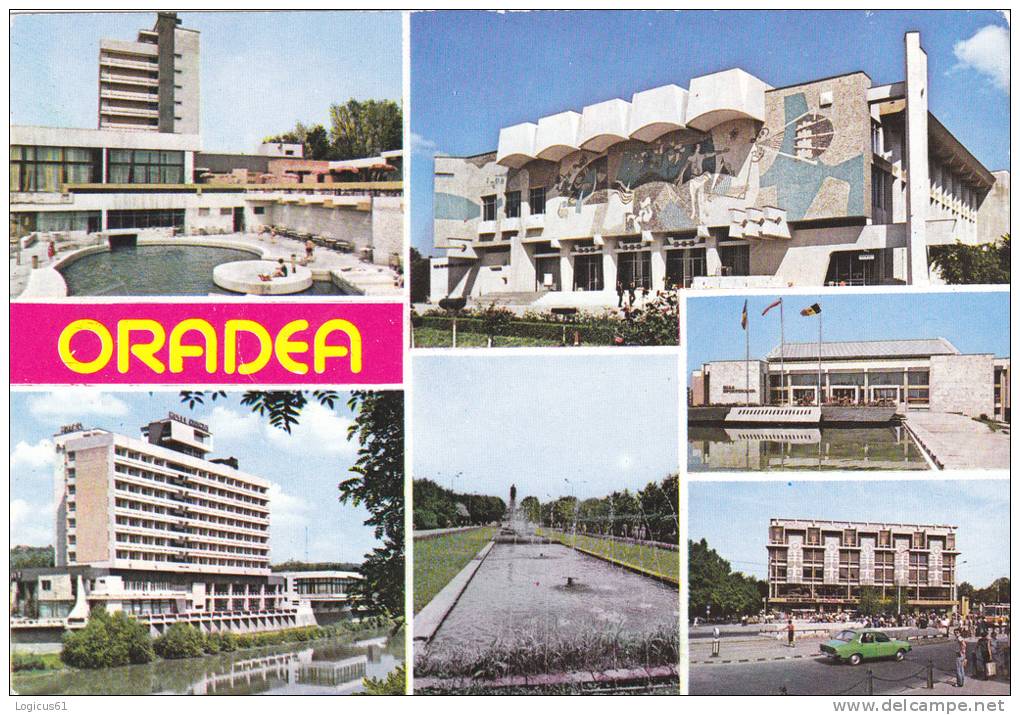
243	277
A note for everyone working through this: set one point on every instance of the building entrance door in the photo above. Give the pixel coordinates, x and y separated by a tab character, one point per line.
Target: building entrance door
239	219
683	266
588	272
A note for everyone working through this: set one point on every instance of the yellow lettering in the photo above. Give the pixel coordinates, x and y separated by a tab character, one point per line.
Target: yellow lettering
146	352
323	351
230	331
178	351
285	346
105	346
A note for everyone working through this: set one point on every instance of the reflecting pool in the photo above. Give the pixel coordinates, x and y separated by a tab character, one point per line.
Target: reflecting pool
763	449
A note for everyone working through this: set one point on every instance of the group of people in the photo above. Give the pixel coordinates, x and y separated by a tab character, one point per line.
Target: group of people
985	658
630	291
309	244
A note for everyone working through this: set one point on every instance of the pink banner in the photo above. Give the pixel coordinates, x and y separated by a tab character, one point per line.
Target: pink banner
206	343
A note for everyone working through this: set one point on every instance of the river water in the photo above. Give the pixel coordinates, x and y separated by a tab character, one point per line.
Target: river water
326	667
762	449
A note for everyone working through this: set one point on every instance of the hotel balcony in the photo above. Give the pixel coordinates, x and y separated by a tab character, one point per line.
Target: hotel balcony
723	96
657	111
137	96
534	221
132	128
128	112
557	136
516	145
128	64
604	124
128	79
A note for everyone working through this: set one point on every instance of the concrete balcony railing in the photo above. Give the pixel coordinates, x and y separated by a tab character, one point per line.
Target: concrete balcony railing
128	112
516	145
128	79
128	64
657	111
130	96
604	124
557	136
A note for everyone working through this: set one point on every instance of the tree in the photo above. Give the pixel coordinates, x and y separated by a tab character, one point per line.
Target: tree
107	641
962	264
420	277
28	557
359	129
871	601
715	589
378	485
180	641
531	509
965	590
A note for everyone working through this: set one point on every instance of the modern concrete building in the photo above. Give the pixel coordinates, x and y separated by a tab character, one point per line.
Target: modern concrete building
151	84
328	592
928	374
821	565
158	529
727	183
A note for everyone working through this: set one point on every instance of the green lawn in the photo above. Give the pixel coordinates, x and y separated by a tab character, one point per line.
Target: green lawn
36	662
433	338
438	560
663	562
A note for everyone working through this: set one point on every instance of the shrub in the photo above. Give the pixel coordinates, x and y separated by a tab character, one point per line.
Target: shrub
180	641
211	643
107	641
228	642
394	684
27	661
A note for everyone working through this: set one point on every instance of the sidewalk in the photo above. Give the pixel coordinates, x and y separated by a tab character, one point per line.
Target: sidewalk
959	442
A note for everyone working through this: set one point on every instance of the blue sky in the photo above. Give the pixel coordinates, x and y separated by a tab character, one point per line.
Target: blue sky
973	322
609	421
472	73
304	467
979	508
261	72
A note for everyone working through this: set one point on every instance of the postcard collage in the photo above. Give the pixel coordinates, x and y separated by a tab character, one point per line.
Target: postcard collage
531	353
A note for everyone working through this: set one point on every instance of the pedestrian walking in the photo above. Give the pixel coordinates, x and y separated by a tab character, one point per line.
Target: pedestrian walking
789	632
631	298
961	659
619	294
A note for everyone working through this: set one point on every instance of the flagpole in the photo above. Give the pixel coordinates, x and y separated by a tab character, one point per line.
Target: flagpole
819	359
782	362
747	363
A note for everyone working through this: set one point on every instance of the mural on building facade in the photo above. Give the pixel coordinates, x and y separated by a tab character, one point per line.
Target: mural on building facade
805	161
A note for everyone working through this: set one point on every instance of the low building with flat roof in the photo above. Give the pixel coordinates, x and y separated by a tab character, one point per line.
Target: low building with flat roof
911	374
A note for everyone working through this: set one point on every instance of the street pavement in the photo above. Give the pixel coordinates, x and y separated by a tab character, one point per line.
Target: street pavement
803	671
958	442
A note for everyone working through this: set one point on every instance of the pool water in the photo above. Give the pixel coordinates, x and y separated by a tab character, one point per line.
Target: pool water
160	270
763	449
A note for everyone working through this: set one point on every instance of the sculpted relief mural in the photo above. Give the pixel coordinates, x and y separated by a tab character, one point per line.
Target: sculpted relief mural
806	161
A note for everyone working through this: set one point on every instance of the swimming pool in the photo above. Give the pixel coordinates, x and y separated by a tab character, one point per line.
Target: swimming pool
160	270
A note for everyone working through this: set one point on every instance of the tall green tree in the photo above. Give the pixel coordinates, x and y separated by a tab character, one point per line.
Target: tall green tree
365	128
715	589
420	276
964	264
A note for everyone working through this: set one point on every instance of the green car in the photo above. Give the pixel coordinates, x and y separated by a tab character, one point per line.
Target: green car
853	646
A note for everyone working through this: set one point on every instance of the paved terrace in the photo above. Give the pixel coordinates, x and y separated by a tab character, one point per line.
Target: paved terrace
45	282
958	442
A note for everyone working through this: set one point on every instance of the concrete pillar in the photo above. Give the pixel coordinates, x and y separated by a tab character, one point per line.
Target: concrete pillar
609	268
658	265
918	188
713	264
566	268
522	266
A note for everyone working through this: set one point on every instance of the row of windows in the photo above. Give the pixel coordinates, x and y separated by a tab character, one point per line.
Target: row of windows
163	558
884	538
143	166
230	497
148	459
536	204
145	218
46	168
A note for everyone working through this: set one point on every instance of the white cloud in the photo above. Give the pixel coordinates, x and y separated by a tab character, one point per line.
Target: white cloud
320	431
987	52
423	146
228	424
73	403
33	456
286	510
31	524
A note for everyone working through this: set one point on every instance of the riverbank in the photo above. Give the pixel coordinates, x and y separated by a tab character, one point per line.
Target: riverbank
334	665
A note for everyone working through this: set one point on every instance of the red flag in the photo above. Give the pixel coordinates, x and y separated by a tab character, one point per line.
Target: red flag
773	305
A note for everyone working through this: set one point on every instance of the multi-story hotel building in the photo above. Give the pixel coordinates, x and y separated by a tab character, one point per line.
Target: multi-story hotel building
930	374
151	84
728	183
821	565
158	529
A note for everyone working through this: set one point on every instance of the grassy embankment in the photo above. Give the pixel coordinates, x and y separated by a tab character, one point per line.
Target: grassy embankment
649	559
439	559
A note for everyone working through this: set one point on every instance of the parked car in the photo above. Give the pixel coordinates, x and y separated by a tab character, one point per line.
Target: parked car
854	646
